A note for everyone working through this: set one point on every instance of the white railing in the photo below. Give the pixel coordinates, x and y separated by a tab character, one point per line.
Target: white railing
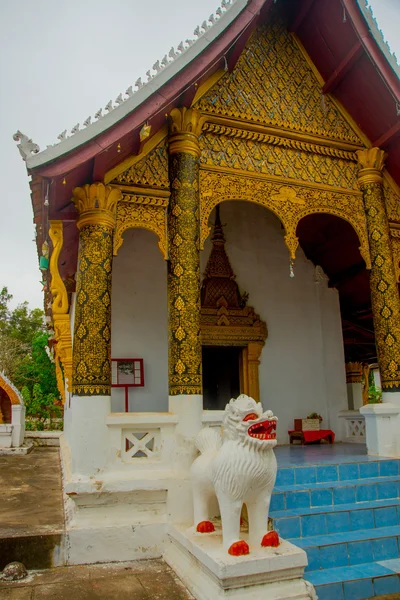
354	426
141	438
212	418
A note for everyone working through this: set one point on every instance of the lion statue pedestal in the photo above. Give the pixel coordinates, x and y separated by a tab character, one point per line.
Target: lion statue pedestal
216	560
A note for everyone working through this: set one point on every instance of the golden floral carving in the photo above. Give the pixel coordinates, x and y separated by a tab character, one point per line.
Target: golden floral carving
60	308
383	283
273	84
392	199
92	339
138	214
152	170
278	140
354	372
216	187
96	204
395	240
184	348
185	128
371	158
57	287
257	156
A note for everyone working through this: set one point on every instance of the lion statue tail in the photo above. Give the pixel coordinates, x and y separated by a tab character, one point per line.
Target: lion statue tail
208	440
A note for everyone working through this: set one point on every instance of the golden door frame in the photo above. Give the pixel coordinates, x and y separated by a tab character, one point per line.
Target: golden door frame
218	328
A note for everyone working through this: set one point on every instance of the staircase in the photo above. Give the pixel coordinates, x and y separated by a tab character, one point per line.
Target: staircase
346	516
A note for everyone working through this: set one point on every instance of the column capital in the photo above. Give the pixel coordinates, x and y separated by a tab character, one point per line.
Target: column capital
354	372
96	204
371	162
185	127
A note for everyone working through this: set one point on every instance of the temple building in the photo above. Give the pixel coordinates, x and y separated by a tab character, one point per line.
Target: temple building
230	226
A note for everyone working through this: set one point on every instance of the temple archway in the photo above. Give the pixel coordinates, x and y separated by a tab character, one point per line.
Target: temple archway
9	396
332	243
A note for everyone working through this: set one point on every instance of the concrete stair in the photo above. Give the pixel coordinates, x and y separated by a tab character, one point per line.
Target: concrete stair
346	516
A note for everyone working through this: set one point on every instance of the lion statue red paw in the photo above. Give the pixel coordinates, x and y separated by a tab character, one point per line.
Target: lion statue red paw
238	468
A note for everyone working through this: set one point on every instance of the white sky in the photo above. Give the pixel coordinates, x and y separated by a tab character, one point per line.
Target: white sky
60	61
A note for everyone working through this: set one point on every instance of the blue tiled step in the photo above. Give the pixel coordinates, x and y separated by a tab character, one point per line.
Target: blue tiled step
336	518
351	547
337	472
335	492
357	582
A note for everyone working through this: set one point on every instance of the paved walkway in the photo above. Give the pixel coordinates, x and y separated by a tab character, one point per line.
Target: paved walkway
139	580
31	493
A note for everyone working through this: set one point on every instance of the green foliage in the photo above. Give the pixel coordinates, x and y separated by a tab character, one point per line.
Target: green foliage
315	415
23	357
40	406
374	394
36	368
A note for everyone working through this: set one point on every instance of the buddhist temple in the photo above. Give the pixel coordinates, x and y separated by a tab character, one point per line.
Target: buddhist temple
231	225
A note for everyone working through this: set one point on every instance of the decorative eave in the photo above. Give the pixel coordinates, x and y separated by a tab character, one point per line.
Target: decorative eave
164	71
378	36
374	44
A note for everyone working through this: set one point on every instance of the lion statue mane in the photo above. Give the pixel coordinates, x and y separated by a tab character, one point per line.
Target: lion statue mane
238	467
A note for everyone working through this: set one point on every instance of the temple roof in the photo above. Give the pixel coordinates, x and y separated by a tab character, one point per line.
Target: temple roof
374	104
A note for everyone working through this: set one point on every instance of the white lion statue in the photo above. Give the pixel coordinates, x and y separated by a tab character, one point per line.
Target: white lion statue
239	467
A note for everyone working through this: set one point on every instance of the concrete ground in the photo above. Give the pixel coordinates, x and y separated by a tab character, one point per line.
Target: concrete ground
138	580
31	493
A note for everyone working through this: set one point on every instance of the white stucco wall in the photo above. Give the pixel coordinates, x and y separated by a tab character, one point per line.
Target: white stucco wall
302	364
140	319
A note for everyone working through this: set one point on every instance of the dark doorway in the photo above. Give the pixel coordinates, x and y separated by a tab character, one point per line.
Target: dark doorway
221	380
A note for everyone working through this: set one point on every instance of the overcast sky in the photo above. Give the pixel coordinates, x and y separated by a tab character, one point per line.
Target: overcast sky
60	61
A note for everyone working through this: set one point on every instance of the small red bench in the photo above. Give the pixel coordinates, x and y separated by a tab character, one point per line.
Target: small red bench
307	437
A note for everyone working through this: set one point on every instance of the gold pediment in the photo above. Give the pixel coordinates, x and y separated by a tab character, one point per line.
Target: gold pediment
272	84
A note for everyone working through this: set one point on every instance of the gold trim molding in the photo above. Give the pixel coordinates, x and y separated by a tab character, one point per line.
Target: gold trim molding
279	137
147	212
290	203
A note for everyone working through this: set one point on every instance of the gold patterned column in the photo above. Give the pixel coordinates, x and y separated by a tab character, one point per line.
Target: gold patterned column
96	204
384	292
184	349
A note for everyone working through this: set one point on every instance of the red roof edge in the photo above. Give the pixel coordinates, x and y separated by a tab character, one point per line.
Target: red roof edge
371	47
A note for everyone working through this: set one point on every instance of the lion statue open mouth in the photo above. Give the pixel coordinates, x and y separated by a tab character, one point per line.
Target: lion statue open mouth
238	467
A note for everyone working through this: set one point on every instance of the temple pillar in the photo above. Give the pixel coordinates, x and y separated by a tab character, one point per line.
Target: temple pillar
184	342
91	373
382	420
354	371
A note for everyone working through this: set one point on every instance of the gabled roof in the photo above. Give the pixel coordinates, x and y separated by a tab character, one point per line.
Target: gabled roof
161	72
174	80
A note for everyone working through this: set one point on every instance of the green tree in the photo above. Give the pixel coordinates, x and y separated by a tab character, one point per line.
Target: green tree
23	342
37	368
40	406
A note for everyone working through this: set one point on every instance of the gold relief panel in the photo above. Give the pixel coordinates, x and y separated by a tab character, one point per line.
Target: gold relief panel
392	198
273	84
145	212
383	284
290	203
151	170
60	308
256	153
395	240
92	339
